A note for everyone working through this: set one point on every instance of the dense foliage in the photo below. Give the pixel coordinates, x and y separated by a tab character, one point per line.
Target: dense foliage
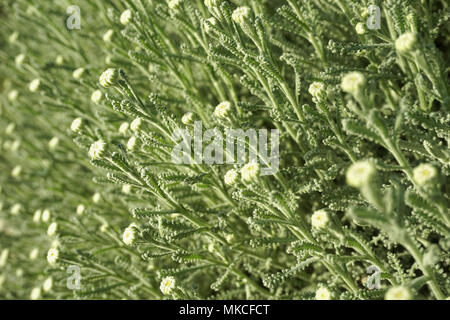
359	208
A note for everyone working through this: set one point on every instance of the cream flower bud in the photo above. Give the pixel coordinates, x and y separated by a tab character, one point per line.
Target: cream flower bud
406	43
97	149
10	128
19	272
34	254
35	294
13	37
174	4
48	284
398	293
77	125
360	28
78	73
59	60
15	145
316	89
96	96
53	143
4	257
109	77
53	255
107	37
188	118
46	214
129	235
123	129
136	124
52	228
241	15
360	173
223	109
16	209
167	285
353	82
132	143
126	188
19	59
80	209
37	216
12	95
424	173
96	197
250	171
208	23
323	294
126	17
16	171
231	177
34	85
319	219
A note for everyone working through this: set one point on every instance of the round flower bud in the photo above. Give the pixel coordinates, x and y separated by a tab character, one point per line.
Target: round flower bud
47	285
126	17
108	35
250	171
223	109
53	143
353	82
123	129
97	149
12	95
37	216
319	219
136	124
78	73
109	78
398	293
34	254
13	37
126	188
241	15
4	257
188	118
34	85
360	28
77	125
35	294
323	294
15	145
96	96
52	228
424	173
96	197
132	143
104	227
10	128
53	255
59	60
15	209
129	235
208	23
231	177
317	89
46	215
406	43
80	209
174	4
167	285
19	272
360	173
19	59
16	171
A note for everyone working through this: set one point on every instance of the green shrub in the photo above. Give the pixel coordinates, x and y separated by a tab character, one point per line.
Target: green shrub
359	208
